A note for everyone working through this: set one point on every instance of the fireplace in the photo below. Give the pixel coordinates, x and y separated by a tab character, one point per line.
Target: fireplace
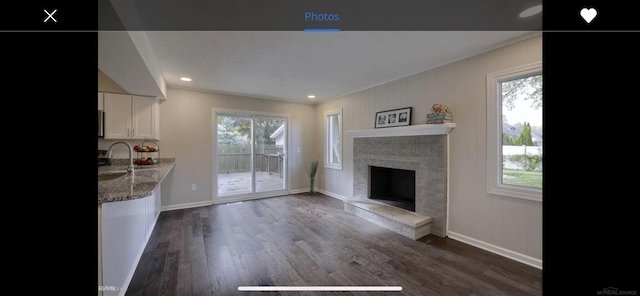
424	155
395	187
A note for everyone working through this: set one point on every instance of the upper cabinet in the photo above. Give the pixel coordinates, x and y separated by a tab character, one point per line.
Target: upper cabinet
144	117
117	116
130	117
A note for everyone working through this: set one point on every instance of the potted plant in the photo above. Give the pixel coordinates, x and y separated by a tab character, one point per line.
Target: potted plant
311	171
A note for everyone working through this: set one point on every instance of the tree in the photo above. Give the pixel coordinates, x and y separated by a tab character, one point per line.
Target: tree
525	136
230	130
235	130
529	89
507	139
265	128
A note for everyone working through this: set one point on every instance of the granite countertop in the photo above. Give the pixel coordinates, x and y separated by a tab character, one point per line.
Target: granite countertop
144	181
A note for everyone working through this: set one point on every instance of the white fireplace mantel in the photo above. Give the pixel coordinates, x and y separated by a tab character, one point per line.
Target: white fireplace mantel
409	130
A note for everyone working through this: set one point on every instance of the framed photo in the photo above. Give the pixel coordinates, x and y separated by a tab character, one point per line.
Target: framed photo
390	118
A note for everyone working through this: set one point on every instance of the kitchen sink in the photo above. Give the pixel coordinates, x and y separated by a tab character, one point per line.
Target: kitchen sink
106	177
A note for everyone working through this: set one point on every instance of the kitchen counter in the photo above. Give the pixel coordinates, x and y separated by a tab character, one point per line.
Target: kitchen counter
144	181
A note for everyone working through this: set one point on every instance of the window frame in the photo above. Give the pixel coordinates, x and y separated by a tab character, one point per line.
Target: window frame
494	133
327	115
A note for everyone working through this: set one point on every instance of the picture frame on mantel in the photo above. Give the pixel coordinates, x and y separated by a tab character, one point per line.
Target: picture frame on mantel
391	118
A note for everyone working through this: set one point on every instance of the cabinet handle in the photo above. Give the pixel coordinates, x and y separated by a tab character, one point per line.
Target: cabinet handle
134	132
128	132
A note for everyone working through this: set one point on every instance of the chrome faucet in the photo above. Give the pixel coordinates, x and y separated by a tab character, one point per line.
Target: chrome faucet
130	167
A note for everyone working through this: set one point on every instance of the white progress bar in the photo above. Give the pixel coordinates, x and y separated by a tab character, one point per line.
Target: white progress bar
319	288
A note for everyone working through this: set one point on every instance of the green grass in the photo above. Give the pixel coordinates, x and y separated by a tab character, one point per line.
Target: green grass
522	178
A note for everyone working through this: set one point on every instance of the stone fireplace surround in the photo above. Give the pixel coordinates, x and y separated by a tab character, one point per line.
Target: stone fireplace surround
421	148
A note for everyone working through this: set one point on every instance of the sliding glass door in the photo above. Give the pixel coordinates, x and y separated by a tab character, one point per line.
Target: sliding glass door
250	156
269	153
235	165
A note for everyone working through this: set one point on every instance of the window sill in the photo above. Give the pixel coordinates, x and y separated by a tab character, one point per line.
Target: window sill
333	166
517	192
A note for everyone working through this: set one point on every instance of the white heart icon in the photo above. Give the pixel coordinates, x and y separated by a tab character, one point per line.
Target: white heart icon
588	14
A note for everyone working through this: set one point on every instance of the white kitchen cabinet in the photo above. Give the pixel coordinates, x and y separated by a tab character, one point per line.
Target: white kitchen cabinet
124	228
144	117
117	116
100	101
130	117
123	240
152	210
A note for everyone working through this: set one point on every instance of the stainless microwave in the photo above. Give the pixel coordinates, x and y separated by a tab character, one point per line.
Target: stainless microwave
100	123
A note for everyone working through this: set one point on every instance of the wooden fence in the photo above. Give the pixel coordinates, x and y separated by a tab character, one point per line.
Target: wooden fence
237	158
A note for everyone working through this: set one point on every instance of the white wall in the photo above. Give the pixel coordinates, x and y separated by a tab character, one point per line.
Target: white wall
186	135
512	224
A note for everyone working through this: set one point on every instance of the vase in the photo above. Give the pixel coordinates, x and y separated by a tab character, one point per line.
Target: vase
312	189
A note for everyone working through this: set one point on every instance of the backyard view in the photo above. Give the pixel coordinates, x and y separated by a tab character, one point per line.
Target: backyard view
235	168
522	132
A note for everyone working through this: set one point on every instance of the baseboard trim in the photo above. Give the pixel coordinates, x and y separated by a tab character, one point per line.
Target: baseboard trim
222	201
208	203
249	197
537	263
186	205
334	195
298	191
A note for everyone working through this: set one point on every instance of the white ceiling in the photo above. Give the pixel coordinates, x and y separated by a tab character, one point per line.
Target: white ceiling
290	66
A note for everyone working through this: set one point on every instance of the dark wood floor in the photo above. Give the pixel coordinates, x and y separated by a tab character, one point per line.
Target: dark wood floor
310	241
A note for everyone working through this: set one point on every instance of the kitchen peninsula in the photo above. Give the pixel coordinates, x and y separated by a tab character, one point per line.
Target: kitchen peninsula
145	180
128	208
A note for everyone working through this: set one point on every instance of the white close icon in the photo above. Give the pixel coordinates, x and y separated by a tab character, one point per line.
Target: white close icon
50	16
588	14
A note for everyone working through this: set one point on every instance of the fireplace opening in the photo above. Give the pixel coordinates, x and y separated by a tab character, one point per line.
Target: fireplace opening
393	186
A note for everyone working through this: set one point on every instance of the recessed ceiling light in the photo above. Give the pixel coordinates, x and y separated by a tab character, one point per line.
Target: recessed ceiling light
531	11
311	97
185	78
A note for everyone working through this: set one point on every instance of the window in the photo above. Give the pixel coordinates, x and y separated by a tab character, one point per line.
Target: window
514	130
333	159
